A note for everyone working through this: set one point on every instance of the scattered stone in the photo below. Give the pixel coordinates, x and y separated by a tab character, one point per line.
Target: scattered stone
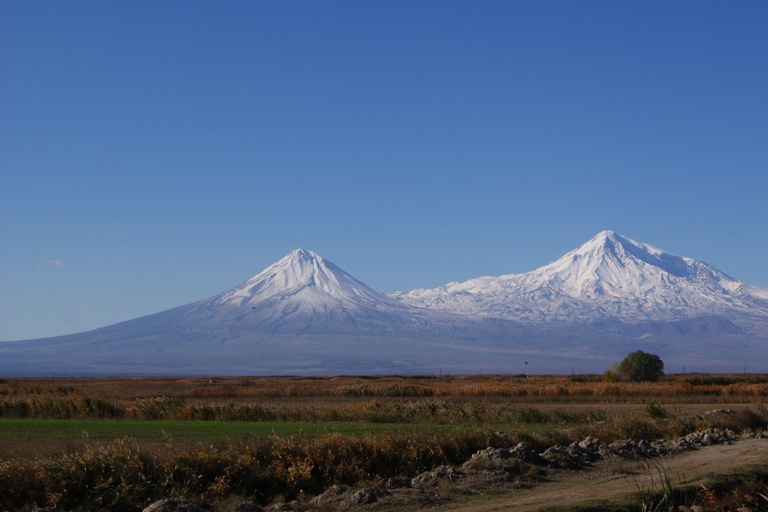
717	412
340	497
574	456
632	449
501	459
366	495
693	441
331	495
396	482
432	478
177	505
492	459
558	457
527	454
501	467
291	506
748	434
247	506
590	444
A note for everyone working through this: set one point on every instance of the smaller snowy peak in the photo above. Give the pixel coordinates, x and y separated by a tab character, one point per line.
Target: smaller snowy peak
303	293
297	270
300	273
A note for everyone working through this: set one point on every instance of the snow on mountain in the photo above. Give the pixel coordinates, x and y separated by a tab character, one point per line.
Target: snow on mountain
303	276
609	277
301	315
302	293
304	315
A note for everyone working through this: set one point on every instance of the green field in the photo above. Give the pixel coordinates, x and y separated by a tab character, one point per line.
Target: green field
188	431
117	444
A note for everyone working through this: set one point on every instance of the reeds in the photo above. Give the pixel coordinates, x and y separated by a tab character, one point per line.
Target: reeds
123	476
60	408
127	476
427	411
510	386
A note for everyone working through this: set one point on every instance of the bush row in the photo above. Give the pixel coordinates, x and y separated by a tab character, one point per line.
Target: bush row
432	411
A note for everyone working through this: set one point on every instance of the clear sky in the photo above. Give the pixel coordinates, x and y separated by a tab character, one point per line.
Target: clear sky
154	153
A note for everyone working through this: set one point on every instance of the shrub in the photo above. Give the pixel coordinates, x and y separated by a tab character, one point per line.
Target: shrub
640	366
656	411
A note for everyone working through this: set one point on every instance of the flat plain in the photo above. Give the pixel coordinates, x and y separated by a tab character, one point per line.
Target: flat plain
122	443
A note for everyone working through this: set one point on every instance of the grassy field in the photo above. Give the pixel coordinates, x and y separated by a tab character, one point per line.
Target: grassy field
164	432
116	444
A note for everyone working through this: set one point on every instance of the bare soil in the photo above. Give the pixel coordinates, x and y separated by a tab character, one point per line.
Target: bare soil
617	479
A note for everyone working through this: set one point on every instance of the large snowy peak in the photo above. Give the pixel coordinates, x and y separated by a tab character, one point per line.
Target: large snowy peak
611	265
305	315
608	277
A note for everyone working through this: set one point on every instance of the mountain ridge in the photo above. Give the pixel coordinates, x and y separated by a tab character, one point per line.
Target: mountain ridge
305	315
609	276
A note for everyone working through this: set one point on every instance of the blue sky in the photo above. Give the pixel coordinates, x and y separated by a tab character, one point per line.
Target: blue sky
156	153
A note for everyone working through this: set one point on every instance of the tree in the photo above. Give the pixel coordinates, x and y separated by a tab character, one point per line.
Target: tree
639	366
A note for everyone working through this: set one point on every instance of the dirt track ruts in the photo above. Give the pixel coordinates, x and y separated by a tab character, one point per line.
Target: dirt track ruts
611	480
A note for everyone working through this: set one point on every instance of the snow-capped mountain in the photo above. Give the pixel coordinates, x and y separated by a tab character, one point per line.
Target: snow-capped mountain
305	315
304	293
303	277
609	277
301	315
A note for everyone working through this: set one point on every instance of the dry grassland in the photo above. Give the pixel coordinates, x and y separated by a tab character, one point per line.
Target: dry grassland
422	422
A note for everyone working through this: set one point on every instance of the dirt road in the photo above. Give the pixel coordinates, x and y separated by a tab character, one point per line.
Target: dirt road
611	480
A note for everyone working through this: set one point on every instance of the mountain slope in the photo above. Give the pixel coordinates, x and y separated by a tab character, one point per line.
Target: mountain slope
304	293
306	277
610	277
305	315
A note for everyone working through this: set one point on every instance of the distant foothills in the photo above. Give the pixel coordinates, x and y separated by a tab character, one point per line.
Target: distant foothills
303	315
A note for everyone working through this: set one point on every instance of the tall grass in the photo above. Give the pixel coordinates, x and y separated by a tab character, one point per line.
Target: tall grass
127	476
510	386
123	476
365	399
60	408
743	491
430	411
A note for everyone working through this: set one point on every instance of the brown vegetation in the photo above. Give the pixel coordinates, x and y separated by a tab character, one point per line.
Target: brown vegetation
124	475
251	388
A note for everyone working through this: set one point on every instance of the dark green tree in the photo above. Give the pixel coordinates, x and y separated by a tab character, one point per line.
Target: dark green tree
639	366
